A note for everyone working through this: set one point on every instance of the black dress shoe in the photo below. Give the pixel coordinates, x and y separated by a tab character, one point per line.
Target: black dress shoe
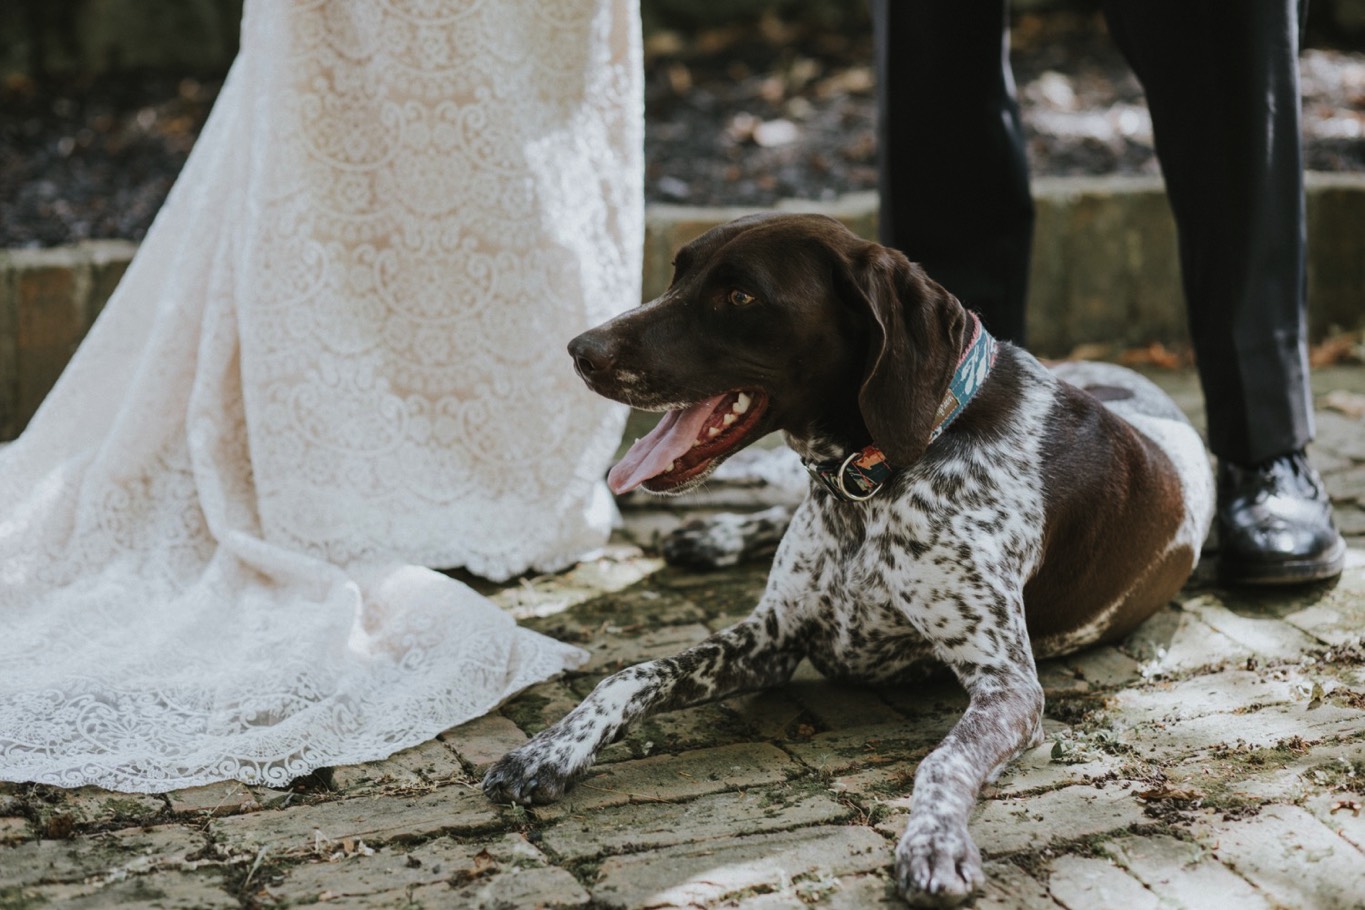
1275	523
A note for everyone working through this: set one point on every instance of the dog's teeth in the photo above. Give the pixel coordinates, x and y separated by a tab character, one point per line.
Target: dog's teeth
741	404
729	419
713	432
671	465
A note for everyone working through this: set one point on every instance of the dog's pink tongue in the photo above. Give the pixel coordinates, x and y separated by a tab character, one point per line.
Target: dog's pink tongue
652	454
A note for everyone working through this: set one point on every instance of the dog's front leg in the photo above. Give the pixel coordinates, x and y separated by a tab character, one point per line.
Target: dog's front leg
752	654
937	864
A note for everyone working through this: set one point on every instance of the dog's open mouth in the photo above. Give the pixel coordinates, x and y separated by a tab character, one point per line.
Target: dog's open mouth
688	442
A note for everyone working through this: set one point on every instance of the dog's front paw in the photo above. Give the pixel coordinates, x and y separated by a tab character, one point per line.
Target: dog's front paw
532	774
937	865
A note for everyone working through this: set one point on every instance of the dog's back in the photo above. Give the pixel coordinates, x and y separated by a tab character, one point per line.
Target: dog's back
1128	502
1151	412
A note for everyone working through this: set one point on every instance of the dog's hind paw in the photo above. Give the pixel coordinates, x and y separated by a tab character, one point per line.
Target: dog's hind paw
726	539
527	776
937	865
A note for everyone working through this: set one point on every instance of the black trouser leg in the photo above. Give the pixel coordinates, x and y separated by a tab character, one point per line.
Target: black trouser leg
1223	88
954	179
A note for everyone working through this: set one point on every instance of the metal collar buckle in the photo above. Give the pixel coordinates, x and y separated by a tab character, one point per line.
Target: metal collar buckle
858	478
841	487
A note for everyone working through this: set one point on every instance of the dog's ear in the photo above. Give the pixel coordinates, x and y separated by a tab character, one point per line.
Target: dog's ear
914	342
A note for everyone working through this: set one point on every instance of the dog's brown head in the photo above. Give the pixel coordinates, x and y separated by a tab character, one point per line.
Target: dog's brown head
777	322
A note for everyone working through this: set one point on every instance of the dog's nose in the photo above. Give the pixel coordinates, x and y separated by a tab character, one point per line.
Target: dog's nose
592	353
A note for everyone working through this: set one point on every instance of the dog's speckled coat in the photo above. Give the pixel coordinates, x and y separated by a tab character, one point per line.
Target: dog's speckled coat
1041	521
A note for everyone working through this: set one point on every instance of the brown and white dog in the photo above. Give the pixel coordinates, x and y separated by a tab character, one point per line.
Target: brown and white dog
970	507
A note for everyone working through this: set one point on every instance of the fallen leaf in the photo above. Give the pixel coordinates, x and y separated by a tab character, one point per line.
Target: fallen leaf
1165	792
775	31
484	865
1155	354
1090	351
1345	805
1345	348
1352	404
679	78
664	44
718	40
1295	744
857	80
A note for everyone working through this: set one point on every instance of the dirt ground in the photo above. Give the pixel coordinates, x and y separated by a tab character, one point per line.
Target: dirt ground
744	115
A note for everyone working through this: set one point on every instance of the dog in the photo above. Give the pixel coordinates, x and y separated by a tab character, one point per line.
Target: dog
969	507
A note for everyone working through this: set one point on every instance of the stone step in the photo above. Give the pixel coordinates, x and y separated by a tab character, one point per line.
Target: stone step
1104	271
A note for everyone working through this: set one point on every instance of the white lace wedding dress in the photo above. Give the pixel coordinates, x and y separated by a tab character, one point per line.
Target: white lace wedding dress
338	357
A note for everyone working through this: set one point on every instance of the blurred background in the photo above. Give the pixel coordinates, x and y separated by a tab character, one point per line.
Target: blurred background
748	102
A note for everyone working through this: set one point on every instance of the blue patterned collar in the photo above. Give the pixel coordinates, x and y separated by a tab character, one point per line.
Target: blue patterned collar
859	476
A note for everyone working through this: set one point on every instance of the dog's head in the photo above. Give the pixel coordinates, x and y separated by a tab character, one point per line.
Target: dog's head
777	322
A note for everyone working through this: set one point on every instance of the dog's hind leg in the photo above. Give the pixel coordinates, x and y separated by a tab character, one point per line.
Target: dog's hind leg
726	539
770	476
752	654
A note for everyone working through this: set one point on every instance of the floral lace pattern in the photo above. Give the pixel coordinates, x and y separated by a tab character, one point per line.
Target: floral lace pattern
337	357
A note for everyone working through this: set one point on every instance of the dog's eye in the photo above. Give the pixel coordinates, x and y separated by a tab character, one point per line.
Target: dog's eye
739	298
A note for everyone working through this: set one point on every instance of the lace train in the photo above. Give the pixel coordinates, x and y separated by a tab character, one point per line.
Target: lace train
338	356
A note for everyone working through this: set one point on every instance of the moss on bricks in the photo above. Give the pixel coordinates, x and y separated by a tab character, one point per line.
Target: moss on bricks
527	711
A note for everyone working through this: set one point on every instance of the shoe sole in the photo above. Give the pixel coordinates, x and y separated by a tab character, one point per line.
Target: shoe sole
1289	572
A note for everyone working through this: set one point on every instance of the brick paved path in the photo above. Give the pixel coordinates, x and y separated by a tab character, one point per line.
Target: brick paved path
1216	759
